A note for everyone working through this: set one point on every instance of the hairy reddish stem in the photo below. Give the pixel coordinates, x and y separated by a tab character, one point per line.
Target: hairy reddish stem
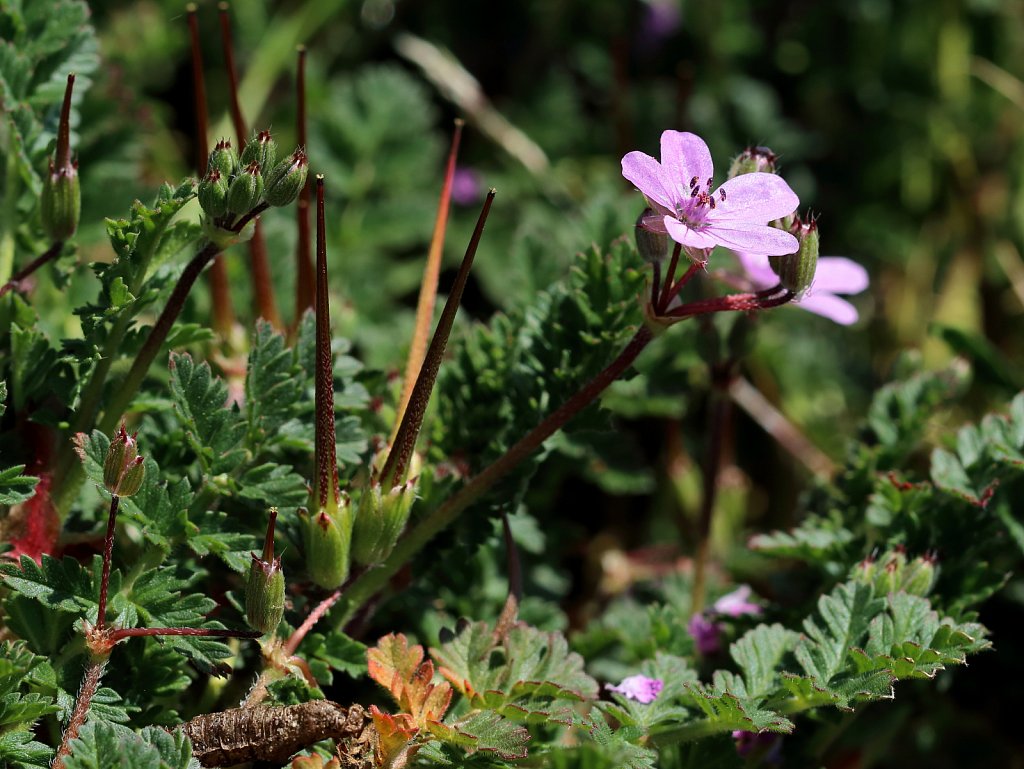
90	684
405	438
141	632
308	624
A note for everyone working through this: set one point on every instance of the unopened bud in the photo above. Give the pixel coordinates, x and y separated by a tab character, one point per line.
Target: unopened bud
287	179
213	193
796	270
123	468
61	202
224	159
264	591
261	149
653	246
246	190
328	541
753	160
919	576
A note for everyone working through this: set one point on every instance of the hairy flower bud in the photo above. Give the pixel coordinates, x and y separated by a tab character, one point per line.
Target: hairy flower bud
264	591
287	179
653	246
224	159
246	190
328	542
61	202
261	149
753	160
123	468
796	270
213	193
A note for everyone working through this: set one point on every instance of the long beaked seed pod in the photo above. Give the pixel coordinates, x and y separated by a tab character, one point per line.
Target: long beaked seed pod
264	590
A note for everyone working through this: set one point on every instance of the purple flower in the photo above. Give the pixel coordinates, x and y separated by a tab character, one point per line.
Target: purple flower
660	20
735	604
767	744
835	275
640	688
467	186
706	633
693	213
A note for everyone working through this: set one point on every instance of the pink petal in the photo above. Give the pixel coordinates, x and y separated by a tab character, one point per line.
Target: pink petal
649	177
840	275
829	306
680	233
751	237
756	198
684	156
757	269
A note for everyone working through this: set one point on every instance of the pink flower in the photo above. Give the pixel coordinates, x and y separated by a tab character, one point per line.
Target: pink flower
707	634
735	604
693	213
640	688
835	275
467	186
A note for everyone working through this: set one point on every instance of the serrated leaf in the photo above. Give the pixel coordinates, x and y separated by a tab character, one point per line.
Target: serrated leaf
99	746
485	731
400	669
16	487
62	585
844	617
214	428
726	712
19	749
758	653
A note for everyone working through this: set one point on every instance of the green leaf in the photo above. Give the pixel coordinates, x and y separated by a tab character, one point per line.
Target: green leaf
726	712
334	651
62	585
15	487
19	749
214	429
758	653
100	746
844	617
487	732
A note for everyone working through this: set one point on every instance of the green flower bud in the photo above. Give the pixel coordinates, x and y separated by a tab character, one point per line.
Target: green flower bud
264	591
224	159
246	190
796	270
61	202
287	179
261	149
919	576
328	541
123	468
753	160
213	193
653	246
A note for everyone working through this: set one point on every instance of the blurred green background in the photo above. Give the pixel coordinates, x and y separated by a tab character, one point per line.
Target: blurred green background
899	123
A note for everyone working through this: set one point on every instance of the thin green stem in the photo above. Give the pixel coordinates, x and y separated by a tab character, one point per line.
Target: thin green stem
370	583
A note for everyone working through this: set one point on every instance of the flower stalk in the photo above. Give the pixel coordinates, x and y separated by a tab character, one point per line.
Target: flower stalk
304	288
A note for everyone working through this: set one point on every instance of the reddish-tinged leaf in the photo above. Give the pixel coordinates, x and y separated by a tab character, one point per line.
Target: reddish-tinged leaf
400	669
394	745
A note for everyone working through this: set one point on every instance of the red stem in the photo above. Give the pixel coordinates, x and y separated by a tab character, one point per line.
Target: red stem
314	616
108	550
405	439
49	254
304	289
90	683
140	632
666	289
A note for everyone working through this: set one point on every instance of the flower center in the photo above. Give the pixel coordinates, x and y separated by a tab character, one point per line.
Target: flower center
693	210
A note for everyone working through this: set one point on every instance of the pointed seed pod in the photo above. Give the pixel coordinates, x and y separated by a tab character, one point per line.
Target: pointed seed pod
264	591
753	160
224	159
261	149
653	246
796	270
61	202
213	193
123	468
246	190
287	179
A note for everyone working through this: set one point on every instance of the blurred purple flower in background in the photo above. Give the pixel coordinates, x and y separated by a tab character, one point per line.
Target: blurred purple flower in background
693	213
467	186
735	604
706	632
767	745
835	275
659	21
640	688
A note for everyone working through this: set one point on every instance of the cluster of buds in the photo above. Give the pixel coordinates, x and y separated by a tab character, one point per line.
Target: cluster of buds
895	573
123	468
264	590
235	185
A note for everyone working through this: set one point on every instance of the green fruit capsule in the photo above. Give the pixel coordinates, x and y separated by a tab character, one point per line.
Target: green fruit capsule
653	246
287	179
327	544
264	591
245	191
223	158
61	203
261	149
213	194
796	270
